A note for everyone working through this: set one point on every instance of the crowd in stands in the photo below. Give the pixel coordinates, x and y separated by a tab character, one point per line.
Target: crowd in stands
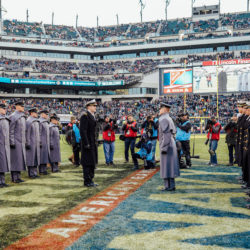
196	105
112	70
126	31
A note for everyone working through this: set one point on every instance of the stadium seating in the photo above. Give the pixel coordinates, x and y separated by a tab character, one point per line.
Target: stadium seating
128	31
61	32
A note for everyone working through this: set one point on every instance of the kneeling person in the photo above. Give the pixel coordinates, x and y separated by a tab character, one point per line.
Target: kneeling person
32	143
55	153
145	153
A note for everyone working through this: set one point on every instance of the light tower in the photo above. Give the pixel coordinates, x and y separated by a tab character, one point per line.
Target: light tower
166	9
76	20
27	15
52	21
143	5
192	6
248	3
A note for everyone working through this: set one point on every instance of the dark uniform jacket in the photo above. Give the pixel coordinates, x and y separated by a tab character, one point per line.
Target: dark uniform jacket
231	130
88	142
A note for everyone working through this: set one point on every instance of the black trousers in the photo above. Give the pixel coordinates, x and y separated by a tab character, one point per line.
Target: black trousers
88	174
129	143
231	150
76	152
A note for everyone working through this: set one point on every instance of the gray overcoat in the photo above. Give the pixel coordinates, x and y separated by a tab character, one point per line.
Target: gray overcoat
17	138
44	138
55	153
169	164
4	144
33	140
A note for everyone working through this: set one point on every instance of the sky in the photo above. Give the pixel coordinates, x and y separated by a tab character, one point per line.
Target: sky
65	11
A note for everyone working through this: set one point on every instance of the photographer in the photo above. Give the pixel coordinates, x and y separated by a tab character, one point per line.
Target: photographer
213	137
76	142
151	126
231	136
130	132
183	139
109	139
144	153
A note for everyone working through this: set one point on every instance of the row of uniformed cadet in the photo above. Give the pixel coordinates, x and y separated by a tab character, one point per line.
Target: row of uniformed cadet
243	145
30	143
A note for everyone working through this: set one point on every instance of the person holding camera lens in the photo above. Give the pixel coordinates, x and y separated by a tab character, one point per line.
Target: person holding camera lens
130	132
213	137
75	141
183	138
88	134
151	126
109	139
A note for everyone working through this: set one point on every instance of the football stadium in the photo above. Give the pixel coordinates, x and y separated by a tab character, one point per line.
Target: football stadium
125	134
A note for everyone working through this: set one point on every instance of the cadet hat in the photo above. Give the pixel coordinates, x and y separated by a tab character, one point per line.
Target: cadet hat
2	106
92	102
248	105
19	103
44	111
32	110
54	116
163	104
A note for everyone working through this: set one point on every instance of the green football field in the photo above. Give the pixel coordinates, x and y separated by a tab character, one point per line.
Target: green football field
27	206
200	149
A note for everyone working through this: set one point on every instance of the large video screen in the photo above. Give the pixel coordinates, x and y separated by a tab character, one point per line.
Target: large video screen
230	78
176	81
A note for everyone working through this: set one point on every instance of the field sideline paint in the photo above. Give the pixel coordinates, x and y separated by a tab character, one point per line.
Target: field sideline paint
69	227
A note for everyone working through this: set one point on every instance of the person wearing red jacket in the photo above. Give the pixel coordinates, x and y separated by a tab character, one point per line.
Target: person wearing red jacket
130	132
108	135
213	136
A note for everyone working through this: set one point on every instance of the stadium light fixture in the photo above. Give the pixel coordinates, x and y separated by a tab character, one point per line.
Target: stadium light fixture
192	6
143	5
27	15
166	9
248	3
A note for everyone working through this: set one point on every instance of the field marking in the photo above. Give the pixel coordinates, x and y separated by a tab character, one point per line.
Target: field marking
67	228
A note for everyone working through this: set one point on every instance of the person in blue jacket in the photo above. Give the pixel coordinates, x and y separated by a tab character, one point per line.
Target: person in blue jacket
151	126
183	139
145	152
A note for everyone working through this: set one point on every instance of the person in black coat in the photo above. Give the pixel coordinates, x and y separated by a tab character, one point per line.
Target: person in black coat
89	143
231	136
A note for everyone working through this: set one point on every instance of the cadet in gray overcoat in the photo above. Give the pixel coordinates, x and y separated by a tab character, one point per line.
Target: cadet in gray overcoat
17	142
32	143
55	152
4	145
169	165
45	142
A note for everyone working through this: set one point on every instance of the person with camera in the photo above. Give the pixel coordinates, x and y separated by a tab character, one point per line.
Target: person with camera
130	132
151	126
109	139
88	134
144	153
183	139
231	136
213	137
75	141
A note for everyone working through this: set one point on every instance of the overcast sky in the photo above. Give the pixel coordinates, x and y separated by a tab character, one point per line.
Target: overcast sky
128	10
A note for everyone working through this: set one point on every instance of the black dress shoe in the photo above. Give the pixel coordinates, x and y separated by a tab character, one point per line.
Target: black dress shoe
164	189
20	180
44	173
93	184
135	168
87	185
1	186
5	185
37	176
171	189
32	177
